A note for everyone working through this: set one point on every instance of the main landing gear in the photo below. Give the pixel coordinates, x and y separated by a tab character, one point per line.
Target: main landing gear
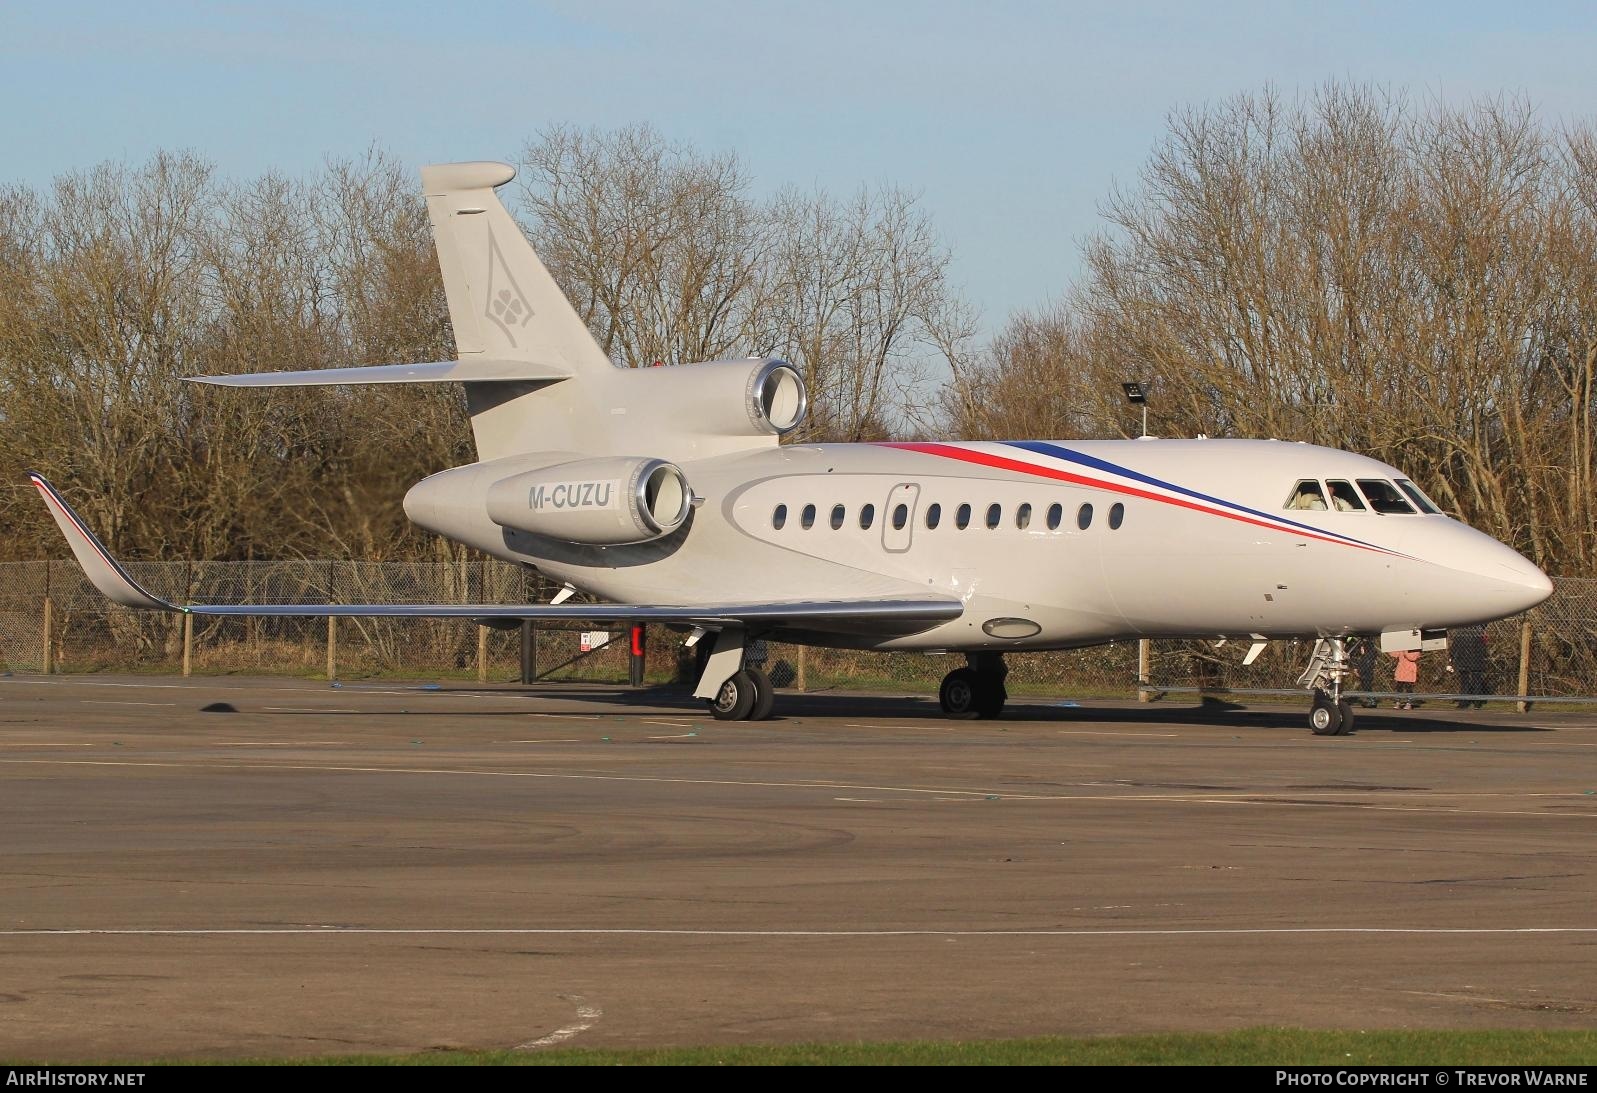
976	690
1330	714
747	696
732	691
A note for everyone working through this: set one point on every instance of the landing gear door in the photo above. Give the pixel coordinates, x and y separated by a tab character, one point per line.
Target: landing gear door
898	517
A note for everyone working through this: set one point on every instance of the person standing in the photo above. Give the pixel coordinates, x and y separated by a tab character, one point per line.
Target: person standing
1404	675
1467	646
1361	651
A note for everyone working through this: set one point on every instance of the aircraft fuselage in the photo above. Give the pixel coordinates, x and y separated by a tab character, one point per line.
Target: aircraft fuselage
1048	544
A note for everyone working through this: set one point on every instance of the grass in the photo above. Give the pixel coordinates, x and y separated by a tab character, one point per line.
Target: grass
1245	1047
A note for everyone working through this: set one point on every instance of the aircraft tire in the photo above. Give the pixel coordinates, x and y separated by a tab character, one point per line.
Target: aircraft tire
991	698
1325	718
960	694
735	700
1345	708
764	694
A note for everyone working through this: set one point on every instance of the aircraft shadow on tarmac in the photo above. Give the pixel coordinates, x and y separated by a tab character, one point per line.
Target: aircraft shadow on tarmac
1210	712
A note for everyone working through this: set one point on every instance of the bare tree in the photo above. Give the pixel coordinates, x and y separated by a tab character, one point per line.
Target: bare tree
1344	269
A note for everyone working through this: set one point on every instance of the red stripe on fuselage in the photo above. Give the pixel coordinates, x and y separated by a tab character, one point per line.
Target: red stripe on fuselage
1004	463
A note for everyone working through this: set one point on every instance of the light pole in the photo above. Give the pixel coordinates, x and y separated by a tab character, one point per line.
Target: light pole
1137	395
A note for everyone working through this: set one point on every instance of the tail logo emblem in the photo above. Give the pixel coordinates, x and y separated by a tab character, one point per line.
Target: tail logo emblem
508	308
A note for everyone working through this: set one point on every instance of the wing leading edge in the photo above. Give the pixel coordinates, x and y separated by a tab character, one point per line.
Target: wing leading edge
887	615
462	371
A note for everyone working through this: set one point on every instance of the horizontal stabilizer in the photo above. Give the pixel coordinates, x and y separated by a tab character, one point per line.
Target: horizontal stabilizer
469	371
877	615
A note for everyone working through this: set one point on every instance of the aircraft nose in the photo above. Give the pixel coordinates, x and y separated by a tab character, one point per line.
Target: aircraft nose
1526	579
1510	582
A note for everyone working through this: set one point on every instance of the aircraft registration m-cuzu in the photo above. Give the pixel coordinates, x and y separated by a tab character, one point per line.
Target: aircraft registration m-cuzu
666	492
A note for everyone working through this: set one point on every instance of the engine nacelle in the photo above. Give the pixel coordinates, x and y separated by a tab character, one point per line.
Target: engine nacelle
716	398
603	502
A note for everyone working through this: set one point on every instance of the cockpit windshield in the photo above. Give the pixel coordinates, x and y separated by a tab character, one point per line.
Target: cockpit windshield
1417	495
1384	497
1344	498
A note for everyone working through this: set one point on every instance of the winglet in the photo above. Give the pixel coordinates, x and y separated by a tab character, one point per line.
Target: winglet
98	565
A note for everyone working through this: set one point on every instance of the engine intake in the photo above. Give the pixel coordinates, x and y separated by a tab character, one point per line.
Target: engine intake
610	501
778	400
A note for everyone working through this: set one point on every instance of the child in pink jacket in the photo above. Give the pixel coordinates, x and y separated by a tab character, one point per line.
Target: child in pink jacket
1404	675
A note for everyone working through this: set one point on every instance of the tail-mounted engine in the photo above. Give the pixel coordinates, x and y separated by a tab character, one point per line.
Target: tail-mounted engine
746	398
604	502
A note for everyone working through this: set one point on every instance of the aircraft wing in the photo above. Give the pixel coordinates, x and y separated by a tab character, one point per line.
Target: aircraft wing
463	371
887	615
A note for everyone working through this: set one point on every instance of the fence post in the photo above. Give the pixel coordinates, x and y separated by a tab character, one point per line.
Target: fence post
1144	694
48	623
802	656
529	652
482	654
1524	663
188	644
332	648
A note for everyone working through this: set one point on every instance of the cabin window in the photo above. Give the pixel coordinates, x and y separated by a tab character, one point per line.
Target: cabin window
995	513
1084	517
807	517
1383	497
1023	517
962	517
1307	494
779	517
1117	514
1417	495
1056	513
867	517
837	516
1344	498
900	517
934	513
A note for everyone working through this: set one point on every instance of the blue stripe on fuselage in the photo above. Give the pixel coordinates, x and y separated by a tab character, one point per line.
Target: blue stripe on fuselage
1044	448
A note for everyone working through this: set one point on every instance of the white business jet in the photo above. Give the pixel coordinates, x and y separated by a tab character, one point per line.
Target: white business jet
666	493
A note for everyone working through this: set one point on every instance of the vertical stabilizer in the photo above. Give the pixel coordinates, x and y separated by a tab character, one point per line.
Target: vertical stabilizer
502	302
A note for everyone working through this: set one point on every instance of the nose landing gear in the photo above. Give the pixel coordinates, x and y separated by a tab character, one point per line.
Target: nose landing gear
1330	714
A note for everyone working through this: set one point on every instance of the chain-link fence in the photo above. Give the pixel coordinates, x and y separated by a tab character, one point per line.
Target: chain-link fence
49	610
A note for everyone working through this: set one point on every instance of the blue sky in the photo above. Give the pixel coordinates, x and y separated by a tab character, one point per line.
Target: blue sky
1012	119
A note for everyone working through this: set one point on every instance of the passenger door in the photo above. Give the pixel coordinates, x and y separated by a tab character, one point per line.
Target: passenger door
898	517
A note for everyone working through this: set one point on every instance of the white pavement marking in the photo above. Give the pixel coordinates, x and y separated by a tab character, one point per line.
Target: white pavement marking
17	745
587	1017
97	683
307	709
273	743
121	702
674	736
618	931
1089	732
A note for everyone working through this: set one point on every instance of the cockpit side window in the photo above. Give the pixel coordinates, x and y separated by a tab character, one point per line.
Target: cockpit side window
1417	495
1307	494
1384	497
1344	498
